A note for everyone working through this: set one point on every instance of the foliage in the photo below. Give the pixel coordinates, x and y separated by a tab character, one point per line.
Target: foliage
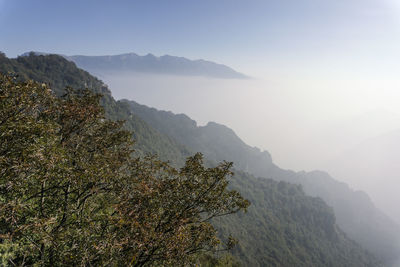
224	260
72	194
354	211
60	73
283	226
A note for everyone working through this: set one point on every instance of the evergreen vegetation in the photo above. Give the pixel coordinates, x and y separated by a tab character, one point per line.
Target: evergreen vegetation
71	194
283	226
59	74
355	213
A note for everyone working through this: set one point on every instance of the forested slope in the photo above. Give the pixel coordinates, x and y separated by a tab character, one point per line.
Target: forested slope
355	212
283	226
60	73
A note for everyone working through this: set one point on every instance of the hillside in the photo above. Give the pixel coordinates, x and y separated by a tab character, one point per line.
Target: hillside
60	73
355	212
149	63
283	226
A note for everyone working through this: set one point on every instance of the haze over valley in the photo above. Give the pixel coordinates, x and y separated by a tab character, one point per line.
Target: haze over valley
209	133
301	133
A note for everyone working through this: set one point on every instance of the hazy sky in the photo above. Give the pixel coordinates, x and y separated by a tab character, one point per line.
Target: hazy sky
259	37
349	45
318	64
283	41
325	59
328	58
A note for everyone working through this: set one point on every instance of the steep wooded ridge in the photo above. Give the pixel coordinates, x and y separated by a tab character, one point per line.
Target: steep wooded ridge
355	213
60	73
283	226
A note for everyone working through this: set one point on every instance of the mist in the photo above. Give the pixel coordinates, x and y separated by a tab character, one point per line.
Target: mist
305	126
312	84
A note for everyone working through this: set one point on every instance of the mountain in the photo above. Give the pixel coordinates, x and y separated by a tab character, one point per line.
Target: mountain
149	63
283	226
131	62
374	165
355	212
60	73
216	141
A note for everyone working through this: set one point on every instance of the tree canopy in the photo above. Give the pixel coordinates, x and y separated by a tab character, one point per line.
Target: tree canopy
282	227
72	193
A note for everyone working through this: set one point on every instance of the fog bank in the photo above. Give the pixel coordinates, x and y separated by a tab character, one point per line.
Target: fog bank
304	125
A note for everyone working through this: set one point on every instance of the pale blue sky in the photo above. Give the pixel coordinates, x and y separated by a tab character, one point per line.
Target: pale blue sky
324	59
325	53
249	35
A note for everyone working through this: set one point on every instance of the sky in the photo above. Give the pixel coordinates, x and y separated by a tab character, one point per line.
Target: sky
325	59
253	36
318	66
289	43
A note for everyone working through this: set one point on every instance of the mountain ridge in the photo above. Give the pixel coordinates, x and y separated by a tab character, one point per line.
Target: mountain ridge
284	227
149	63
376	232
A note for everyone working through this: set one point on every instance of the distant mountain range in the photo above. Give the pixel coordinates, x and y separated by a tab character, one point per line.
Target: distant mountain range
283	226
149	63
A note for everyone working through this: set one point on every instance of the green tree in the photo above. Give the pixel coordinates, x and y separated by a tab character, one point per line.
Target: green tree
73	194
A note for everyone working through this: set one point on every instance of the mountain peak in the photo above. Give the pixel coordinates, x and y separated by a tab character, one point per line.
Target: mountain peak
150	63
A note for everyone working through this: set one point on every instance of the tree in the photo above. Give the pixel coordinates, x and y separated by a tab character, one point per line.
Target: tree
73	194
